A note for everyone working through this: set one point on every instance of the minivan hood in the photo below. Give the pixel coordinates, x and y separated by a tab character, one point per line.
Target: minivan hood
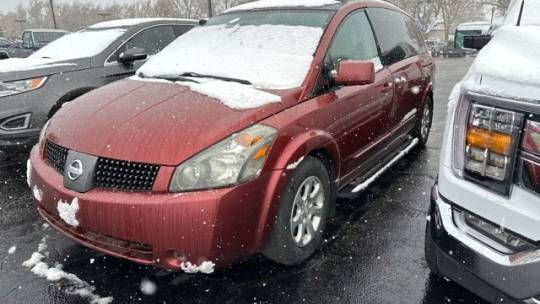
25	68
152	122
508	67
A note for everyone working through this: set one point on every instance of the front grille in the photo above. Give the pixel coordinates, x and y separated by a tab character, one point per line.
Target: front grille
109	173
56	156
125	175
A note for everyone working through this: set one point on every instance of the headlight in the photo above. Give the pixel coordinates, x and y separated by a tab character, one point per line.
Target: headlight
231	161
485	145
43	133
20	86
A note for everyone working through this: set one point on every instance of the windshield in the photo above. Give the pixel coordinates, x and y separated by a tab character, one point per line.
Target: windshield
269	49
45	37
86	43
530	16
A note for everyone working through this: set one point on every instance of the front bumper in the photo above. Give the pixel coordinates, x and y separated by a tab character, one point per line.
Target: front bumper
38	104
159	228
494	276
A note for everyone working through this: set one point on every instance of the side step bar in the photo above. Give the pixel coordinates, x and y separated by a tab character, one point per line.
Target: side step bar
377	174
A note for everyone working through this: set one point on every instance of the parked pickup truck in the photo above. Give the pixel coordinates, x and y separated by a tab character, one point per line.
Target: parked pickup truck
482	229
33	40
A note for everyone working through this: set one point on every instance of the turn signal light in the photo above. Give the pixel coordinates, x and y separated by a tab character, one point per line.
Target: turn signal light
485	139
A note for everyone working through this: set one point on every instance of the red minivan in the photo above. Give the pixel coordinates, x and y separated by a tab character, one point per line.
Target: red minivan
239	136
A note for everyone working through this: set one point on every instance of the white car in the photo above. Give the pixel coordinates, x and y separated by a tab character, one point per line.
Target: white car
483	228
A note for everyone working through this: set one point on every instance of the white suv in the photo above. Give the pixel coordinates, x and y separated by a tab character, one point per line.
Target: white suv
483	231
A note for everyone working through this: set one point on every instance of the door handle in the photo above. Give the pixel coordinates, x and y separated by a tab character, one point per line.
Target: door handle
387	87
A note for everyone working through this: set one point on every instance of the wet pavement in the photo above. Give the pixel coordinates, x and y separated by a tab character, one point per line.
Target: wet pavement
373	252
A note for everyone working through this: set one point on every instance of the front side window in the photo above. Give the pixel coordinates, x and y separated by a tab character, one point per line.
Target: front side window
269	49
27	39
46	37
354	40
393	34
152	40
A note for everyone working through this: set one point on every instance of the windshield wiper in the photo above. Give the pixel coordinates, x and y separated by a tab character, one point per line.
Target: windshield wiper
197	75
170	78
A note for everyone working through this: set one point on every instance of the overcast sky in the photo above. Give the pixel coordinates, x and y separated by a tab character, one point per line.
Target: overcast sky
6	5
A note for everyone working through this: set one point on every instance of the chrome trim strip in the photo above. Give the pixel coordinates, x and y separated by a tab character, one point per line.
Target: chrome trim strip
26	124
374	177
510	104
521	258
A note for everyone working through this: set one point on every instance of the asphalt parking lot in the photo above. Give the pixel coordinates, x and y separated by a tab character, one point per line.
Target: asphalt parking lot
373	251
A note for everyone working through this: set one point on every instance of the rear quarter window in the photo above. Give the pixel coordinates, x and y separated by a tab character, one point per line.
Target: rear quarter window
397	34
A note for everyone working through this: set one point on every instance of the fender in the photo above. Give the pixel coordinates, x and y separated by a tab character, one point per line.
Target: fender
68	97
292	152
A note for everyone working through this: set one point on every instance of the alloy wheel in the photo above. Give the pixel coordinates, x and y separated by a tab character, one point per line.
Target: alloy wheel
306	213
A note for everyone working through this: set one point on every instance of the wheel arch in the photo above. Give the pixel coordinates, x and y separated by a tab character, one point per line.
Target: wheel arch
68	97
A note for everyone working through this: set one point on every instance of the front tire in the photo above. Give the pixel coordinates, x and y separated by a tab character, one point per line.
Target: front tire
302	214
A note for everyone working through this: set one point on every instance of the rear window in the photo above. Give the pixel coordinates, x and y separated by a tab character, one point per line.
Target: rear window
46	37
397	34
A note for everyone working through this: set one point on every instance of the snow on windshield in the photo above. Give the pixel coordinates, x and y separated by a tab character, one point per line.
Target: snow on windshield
281	3
82	44
530	16
268	56
505	66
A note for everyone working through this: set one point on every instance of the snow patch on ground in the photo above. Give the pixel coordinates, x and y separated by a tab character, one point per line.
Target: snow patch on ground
68	212
206	267
56	273
148	287
38	193
293	166
268	56
12	250
77	45
234	95
281	3
29	172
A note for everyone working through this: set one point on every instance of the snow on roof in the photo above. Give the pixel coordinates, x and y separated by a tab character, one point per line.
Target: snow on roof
507	67
281	3
474	26
134	21
46	31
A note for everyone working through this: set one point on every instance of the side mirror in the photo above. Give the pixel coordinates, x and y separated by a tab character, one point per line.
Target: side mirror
355	72
476	42
134	54
4	55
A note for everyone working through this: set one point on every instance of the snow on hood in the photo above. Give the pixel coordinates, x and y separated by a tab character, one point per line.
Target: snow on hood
268	56
281	3
530	16
234	95
508	65
27	64
86	43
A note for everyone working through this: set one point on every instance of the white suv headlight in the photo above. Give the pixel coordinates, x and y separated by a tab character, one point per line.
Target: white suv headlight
236	159
20	86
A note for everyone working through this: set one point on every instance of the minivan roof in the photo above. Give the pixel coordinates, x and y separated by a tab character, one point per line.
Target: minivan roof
304	4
